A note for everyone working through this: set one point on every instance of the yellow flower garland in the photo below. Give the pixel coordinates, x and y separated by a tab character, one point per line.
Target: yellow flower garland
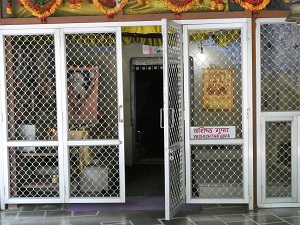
252	7
184	8
42	14
110	11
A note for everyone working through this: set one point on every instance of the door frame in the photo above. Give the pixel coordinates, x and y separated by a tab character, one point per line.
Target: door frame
247	118
47	27
62	143
261	118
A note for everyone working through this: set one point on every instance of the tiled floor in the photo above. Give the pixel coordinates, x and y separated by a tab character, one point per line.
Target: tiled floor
56	214
142	177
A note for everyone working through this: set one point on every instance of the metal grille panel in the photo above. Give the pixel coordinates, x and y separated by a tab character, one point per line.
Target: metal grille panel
280	79
176	157
33	174
31	88
92	84
278	159
216	83
94	171
177	176
175	86
217	171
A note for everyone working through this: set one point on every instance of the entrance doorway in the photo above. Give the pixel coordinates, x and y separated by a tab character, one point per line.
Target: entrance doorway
148	137
147	102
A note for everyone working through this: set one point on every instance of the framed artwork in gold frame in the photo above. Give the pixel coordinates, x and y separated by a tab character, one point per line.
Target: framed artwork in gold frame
217	84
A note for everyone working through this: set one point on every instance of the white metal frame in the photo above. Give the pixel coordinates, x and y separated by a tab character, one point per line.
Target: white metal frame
283	201
167	146
58	32
245	26
2	94
115	142
261	118
6	144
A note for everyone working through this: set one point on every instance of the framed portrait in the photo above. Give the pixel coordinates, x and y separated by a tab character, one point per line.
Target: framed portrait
82	84
217	84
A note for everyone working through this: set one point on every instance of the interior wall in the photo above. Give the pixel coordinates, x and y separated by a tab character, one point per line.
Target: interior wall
213	57
129	52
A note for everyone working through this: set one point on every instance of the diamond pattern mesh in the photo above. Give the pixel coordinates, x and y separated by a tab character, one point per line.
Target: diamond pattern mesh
94	171
92	84
216	87
31	89
217	171
175	118
280	79
216	100
92	114
176	178
278	159
33	174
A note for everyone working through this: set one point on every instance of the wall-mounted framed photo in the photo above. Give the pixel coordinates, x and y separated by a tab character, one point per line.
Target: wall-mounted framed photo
217	84
82	84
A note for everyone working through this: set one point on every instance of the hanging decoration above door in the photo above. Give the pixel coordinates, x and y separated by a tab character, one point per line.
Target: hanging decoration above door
45	8
41	9
117	6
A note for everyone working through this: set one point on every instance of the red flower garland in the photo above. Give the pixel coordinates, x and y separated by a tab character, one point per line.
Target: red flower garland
253	5
108	2
41	11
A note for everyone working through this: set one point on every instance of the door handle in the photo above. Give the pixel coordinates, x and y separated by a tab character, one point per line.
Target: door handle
139	138
121	120
161	118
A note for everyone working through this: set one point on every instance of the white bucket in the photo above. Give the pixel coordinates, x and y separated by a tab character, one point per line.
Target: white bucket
27	132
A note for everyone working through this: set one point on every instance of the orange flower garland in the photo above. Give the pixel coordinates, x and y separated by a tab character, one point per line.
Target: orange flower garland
110	11
253	5
213	4
182	6
148	2
41	11
9	7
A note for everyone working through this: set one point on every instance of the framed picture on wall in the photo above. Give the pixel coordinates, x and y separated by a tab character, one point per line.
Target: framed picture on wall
217	84
82	85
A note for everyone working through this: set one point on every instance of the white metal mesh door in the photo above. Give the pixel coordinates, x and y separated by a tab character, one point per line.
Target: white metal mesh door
216	118
173	119
278	113
63	115
31	106
94	106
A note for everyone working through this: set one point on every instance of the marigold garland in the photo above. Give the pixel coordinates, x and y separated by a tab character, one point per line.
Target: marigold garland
180	6
253	5
220	5
9	6
41	11
140	2
213	4
110	11
108	2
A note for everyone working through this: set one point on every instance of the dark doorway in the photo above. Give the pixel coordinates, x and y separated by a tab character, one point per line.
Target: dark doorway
147	96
